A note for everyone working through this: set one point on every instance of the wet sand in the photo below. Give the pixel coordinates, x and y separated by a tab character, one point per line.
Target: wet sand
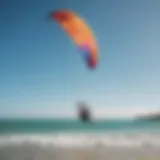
30	152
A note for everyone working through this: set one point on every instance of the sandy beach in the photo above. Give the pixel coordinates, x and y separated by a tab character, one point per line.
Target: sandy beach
31	152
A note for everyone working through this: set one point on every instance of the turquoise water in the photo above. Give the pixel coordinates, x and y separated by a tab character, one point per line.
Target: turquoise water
73	133
62	125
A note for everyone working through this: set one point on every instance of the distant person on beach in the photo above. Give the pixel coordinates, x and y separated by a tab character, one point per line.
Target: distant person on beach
83	112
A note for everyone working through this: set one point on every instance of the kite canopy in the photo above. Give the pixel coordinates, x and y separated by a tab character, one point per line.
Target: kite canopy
81	34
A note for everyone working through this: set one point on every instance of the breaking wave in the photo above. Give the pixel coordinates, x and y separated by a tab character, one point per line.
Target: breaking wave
83	139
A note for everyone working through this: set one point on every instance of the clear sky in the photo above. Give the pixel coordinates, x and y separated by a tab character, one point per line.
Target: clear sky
43	74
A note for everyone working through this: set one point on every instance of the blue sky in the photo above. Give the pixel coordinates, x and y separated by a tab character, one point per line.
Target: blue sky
43	74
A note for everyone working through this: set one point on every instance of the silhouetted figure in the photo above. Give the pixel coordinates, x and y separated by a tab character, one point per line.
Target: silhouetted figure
83	112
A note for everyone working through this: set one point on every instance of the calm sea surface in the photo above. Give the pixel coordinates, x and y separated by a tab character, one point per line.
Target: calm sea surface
65	125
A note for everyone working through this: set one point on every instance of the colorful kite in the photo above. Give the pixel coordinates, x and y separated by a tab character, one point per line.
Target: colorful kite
81	34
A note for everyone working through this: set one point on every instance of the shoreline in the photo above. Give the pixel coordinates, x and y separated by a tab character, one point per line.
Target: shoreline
32	152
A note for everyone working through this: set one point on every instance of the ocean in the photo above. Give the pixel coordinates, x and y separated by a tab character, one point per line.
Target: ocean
101	130
65	125
51	137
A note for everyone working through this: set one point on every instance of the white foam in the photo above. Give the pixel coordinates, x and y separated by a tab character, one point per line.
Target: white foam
84	140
